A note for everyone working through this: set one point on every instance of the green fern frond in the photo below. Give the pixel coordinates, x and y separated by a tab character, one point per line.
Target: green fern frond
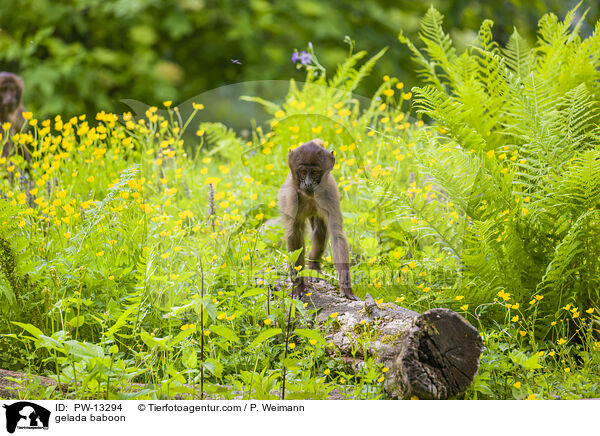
346	70
518	55
485	39
564	264
364	71
579	187
574	117
450	114
438	43
427	70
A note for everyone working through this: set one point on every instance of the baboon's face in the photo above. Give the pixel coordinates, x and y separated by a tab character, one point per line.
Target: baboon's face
308	164
10	95
309	177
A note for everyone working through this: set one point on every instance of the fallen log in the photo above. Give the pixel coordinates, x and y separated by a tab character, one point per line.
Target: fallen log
14	384
432	355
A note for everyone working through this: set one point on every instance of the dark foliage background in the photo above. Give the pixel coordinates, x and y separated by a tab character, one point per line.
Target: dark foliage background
81	56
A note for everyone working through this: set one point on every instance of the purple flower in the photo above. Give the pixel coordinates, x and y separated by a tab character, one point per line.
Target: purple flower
303	57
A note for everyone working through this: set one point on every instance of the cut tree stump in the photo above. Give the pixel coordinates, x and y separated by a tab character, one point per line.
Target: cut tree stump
431	355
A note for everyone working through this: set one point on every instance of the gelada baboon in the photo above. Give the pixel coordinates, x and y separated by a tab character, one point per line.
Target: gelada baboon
310	192
11	110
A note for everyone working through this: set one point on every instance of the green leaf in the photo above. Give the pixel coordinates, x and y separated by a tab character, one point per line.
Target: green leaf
310	334
190	358
521	358
291	363
77	321
224	332
152	342
263	336
33	330
83	350
215	367
47	342
182	335
253	293
120	322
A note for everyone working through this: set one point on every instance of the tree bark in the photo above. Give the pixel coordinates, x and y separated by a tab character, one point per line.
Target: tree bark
14	383
432	355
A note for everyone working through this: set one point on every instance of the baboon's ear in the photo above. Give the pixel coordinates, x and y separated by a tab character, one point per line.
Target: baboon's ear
331	159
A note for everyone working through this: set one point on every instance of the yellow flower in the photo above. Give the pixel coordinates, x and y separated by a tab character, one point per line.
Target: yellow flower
312	341
259	216
212	180
522	332
198	106
517	385
165	255
464	307
385	369
267	321
459	297
590	310
567	369
67	235
561	341
279	114
504	295
334	315
538	297
412	264
167	103
515	318
27	115
532	397
221	316
100	253
185	214
292	345
388	92
380	379
327	371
